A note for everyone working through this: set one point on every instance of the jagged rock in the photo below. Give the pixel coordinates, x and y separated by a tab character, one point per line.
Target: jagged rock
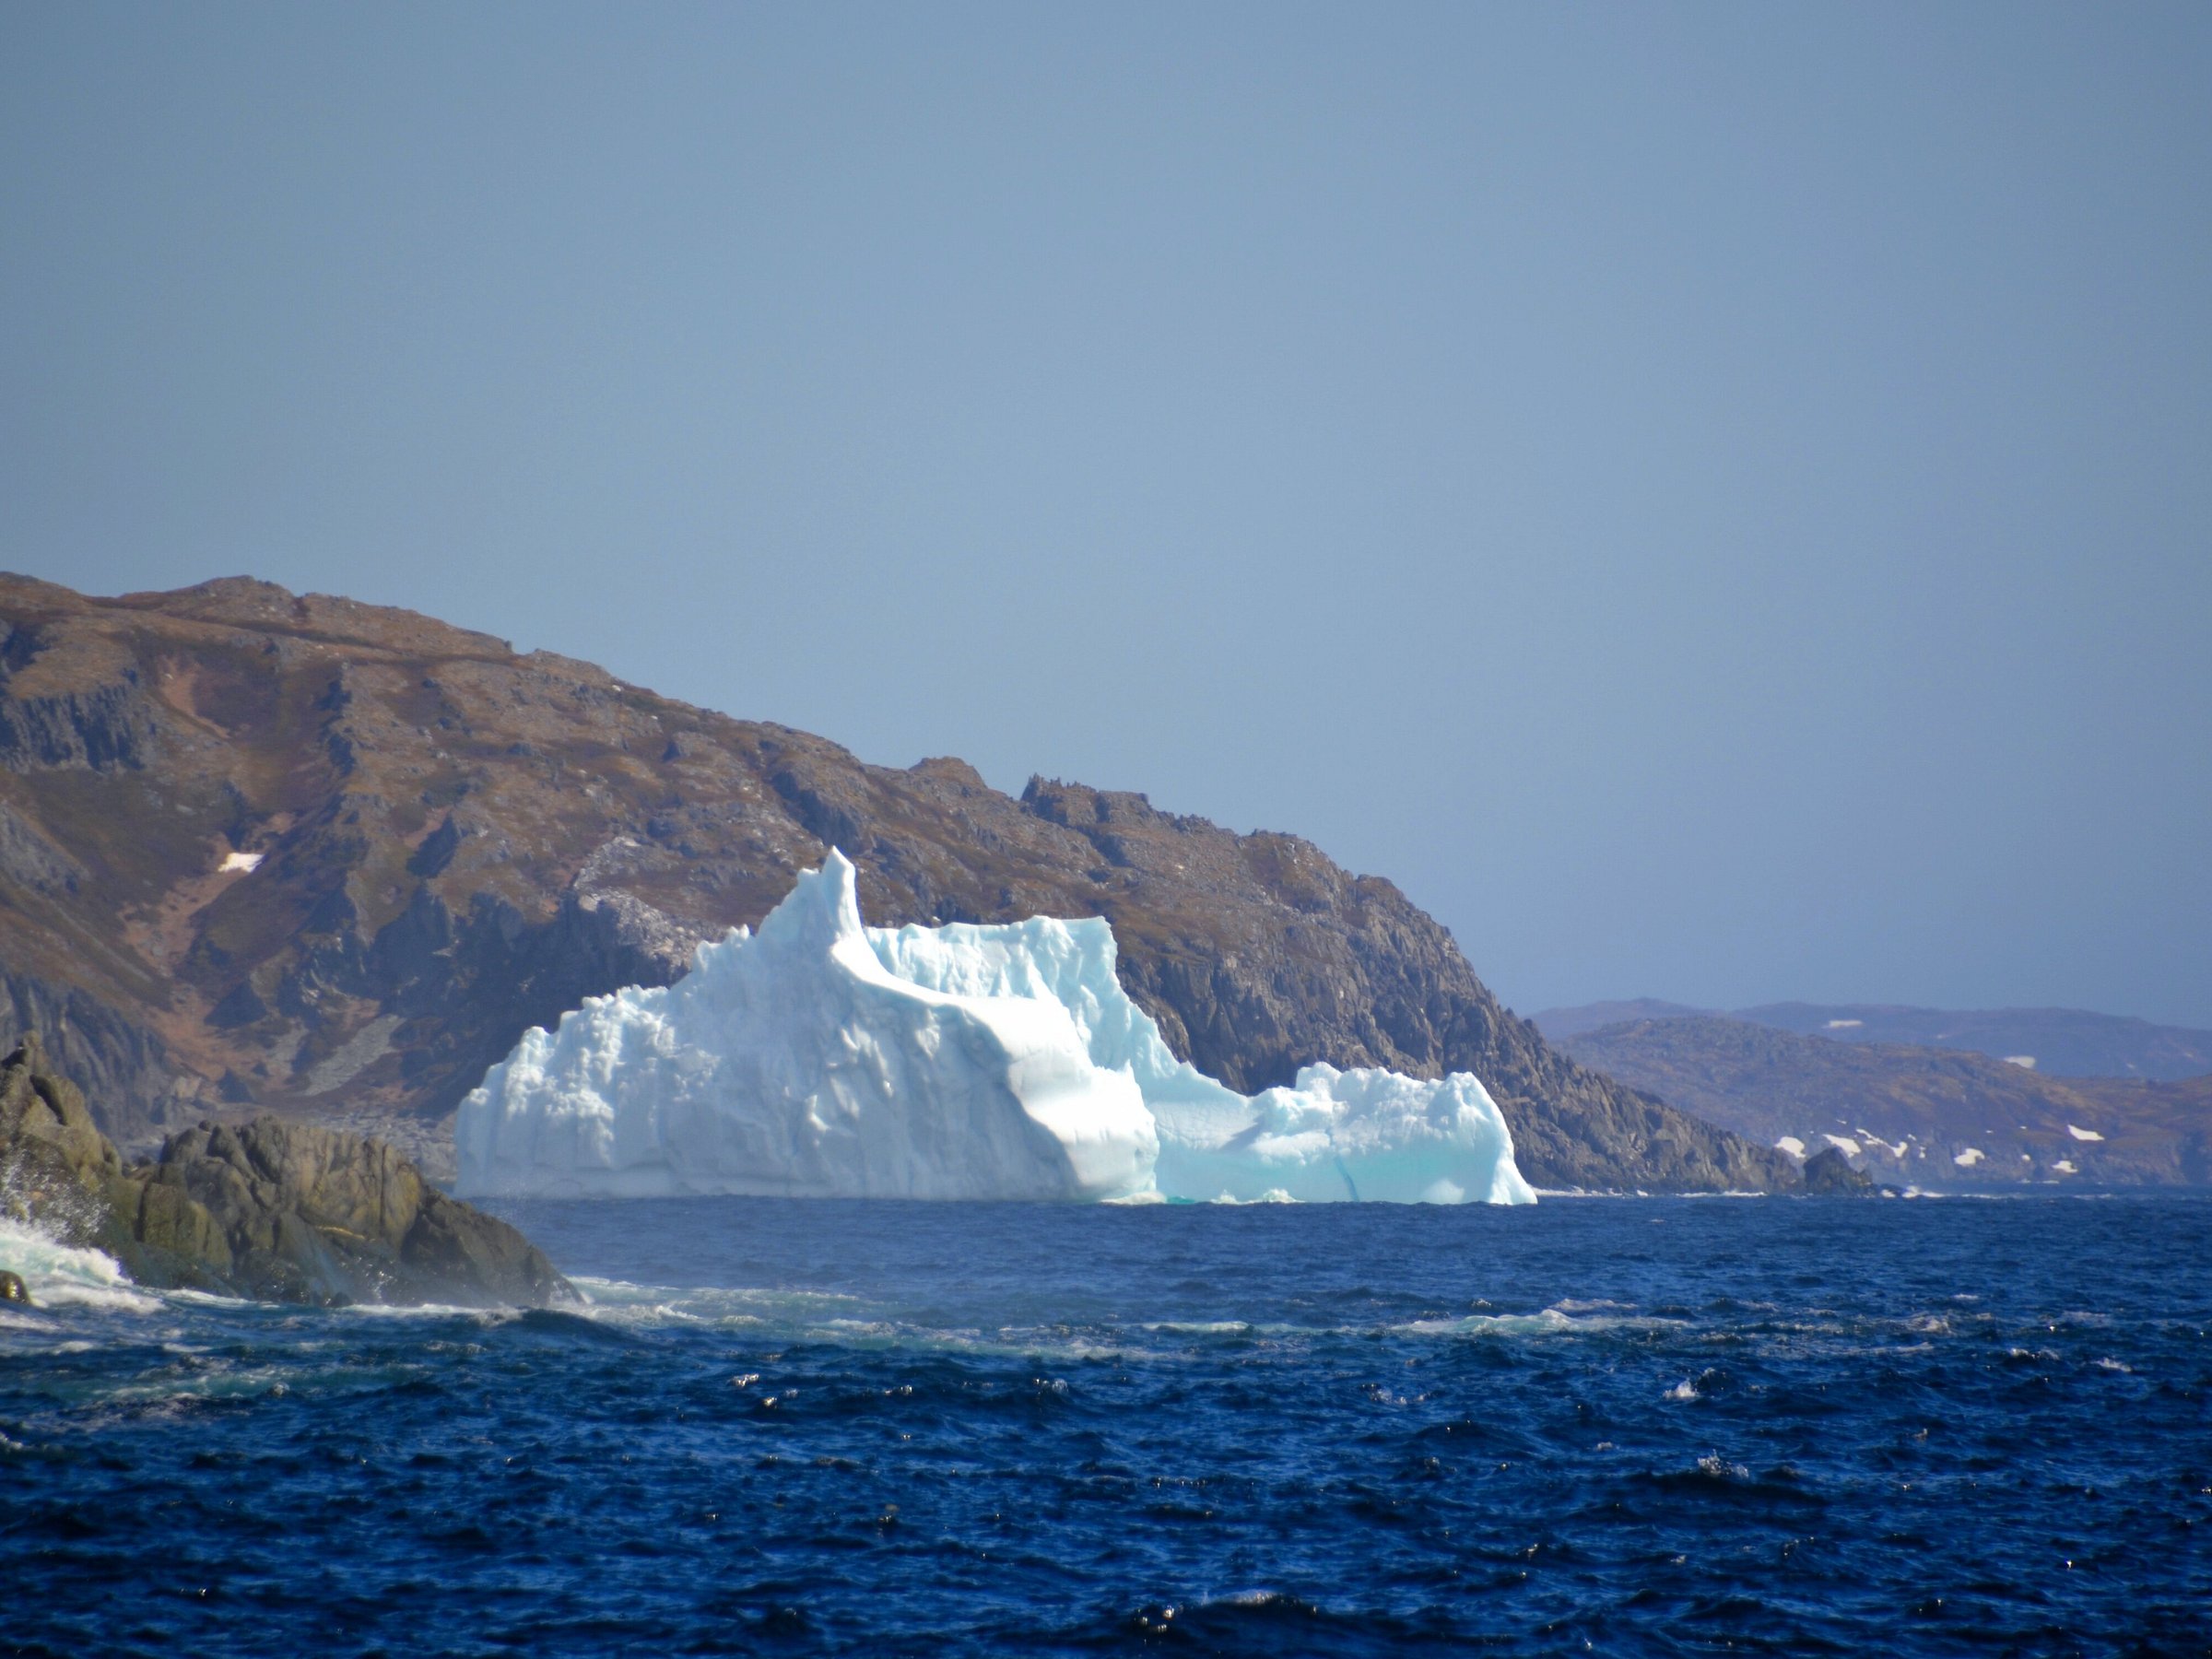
43	1111
174	1230
273	1210
102	729
1828	1173
643	945
58	1170
315	1214
28	859
119	1061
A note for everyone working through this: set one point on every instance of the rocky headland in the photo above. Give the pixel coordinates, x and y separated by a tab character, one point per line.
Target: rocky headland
270	1210
263	854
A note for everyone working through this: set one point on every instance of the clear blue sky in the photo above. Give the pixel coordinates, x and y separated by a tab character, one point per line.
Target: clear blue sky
1716	501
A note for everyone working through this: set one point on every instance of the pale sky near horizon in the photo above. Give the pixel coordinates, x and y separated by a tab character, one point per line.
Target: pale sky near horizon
1715	502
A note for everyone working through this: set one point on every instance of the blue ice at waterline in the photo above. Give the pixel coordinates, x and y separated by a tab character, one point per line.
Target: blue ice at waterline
824	1058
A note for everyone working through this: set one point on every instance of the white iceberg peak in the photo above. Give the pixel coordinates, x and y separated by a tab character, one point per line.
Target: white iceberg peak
822	1057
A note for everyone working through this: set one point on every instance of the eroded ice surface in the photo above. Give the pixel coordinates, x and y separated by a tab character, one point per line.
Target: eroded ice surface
821	1057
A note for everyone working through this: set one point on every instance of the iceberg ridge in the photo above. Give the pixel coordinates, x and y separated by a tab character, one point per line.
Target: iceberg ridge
821	1057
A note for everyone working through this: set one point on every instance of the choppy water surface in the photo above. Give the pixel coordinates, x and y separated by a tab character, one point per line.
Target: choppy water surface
1620	1426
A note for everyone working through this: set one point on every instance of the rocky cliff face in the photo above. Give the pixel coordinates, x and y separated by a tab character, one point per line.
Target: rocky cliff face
300	854
272	1210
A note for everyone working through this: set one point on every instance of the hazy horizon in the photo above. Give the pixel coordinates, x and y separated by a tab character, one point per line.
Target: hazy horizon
1710	501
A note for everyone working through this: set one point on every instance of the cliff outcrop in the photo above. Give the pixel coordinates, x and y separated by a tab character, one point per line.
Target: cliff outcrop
328	861
271	1210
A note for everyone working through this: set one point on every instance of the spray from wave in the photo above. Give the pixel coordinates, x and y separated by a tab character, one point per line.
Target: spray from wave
60	1275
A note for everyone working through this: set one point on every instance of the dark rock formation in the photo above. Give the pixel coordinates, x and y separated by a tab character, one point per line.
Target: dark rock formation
450	842
1828	1173
52	1146
273	1210
99	730
312	1214
58	1170
111	1057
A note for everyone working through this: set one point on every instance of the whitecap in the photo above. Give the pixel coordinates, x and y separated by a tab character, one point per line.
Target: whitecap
60	1275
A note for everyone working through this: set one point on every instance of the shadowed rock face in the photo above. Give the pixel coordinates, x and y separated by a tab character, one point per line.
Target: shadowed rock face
450	842
1828	1173
272	1210
316	1215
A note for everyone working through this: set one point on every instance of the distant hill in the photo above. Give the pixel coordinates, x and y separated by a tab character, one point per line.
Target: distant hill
1558	1024
2061	1042
1930	1117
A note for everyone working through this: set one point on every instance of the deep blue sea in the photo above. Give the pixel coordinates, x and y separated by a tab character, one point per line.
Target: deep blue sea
1619	1427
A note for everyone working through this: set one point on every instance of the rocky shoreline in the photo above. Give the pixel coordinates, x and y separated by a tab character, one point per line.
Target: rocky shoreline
268	1210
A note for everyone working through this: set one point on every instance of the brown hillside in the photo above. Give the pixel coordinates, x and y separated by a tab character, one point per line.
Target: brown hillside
452	843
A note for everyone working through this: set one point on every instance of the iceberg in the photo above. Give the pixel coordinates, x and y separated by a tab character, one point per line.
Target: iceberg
821	1057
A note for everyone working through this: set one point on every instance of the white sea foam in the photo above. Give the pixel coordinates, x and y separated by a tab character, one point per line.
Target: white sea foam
780	1316
64	1275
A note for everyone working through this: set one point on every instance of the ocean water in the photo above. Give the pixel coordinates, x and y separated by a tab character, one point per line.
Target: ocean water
1608	1426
